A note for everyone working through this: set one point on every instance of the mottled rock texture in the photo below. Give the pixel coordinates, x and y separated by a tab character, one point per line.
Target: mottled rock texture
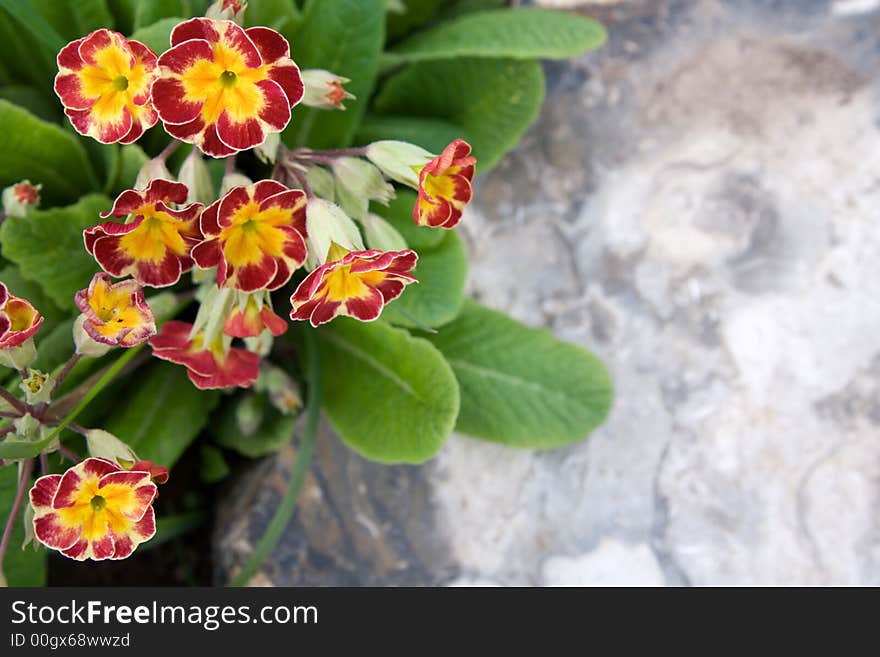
698	204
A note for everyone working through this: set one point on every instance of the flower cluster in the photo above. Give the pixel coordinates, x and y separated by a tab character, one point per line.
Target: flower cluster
305	235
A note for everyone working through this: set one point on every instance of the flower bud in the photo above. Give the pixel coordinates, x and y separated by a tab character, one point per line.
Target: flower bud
268	150
326	224
382	235
233	180
322	182
358	183
283	391
195	175
152	170
230	10
20	198
249	413
105	445
399	160
324	90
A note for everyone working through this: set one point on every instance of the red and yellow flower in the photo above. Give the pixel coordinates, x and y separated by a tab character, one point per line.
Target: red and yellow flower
356	283
445	187
104	84
214	365
153	245
255	236
116	315
19	320
251	317
224	88
95	510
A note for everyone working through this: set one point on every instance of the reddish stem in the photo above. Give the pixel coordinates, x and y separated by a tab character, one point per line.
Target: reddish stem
23	482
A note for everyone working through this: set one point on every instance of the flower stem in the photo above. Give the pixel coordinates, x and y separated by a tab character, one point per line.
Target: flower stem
302	180
65	371
299	469
23	481
14	401
69	454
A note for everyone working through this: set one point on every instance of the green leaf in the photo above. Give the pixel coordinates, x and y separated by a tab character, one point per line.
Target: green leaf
39	103
162	413
399	212
494	100
431	134
27	289
281	15
457	8
147	12
35	23
22	567
273	432
43	153
74	20
436	299
48	247
54	347
125	169
212	465
23	58
157	36
390	396
512	33
521	386
417	14
345	37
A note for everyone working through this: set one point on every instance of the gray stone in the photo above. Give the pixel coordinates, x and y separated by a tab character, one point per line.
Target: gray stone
698	205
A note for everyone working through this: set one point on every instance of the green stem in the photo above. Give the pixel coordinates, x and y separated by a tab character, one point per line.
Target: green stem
299	469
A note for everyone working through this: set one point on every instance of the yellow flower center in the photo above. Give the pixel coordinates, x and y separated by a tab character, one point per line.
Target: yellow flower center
253	234
113	83
224	83
98	503
341	284
21	314
437	187
120	83
97	508
158	233
114	308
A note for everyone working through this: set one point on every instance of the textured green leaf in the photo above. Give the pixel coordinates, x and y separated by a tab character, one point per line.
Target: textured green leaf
345	37
494	100
48	247
126	165
431	134
22	567
161	413
35	23
281	15
23	57
44	153
389	395
417	14
511	33
521	386
273	432
399	212
74	20
436	299
157	36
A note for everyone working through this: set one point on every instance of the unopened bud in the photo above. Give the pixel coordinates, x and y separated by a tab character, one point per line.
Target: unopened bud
86	345
326	223
268	150
382	235
195	175
399	160
20	356
324	90
103	444
153	169
20	198
358	183
230	10
232	180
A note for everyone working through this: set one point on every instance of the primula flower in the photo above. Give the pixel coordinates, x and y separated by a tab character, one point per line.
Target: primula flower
224	88
116	315
445	187
356	283
19	320
255	236
104	84
214	365
252	318
154	243
95	510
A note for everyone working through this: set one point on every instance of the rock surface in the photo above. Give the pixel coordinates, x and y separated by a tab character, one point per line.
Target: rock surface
698	205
